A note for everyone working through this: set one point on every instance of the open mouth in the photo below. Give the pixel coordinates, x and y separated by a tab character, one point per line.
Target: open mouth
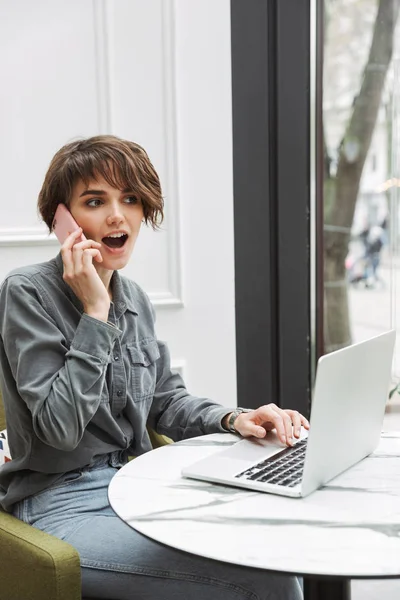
116	241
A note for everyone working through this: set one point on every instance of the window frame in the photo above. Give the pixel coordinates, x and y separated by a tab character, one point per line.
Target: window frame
271	166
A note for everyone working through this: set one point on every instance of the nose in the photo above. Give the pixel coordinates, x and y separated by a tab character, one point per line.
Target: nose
115	216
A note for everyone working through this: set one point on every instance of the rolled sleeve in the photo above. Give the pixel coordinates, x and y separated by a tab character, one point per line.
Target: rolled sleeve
95	338
214	418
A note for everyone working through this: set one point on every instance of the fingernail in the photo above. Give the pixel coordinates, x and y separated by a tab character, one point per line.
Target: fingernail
283	438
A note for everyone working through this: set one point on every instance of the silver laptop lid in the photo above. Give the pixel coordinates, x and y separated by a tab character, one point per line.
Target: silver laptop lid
351	386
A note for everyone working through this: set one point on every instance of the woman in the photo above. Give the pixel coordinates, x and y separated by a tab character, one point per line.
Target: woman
82	373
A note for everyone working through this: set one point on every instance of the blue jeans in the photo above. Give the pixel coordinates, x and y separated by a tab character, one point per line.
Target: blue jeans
119	563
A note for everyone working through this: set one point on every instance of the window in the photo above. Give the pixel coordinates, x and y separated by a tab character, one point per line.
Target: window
361	165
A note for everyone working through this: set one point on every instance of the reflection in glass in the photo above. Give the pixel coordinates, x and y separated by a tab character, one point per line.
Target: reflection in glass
360	112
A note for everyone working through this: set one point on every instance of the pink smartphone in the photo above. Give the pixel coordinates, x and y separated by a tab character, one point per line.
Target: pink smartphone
64	224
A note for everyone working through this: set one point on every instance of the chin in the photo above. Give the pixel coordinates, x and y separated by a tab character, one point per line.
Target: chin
114	264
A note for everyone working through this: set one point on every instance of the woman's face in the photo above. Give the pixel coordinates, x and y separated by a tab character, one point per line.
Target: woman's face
109	216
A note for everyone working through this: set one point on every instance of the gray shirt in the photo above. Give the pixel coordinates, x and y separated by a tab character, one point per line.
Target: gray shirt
75	388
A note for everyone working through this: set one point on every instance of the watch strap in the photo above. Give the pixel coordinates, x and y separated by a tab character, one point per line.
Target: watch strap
233	417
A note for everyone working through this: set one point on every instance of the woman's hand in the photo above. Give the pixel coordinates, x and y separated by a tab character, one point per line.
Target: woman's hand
265	418
82	277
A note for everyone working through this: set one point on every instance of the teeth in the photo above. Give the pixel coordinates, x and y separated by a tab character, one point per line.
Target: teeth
116	235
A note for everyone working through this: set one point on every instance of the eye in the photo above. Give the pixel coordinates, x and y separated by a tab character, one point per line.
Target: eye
94	202
131	200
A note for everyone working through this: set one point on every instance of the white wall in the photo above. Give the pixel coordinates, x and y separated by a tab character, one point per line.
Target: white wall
156	72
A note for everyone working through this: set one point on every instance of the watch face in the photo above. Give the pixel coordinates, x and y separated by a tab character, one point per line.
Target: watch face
232	419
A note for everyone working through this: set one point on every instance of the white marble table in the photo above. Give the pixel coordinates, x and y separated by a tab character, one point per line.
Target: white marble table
348	529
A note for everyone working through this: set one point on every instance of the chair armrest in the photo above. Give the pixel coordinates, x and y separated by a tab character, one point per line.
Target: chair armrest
158	440
35	565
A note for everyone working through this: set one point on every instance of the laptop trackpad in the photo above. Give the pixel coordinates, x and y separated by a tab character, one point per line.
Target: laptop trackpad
253	449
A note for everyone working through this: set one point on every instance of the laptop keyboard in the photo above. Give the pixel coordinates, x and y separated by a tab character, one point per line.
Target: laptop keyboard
284	468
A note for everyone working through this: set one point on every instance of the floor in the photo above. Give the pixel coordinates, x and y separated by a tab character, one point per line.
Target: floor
378	589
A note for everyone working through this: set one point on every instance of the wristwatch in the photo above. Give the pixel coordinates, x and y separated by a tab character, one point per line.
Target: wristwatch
234	415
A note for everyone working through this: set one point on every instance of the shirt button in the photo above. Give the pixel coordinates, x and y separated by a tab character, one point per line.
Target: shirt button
116	357
119	393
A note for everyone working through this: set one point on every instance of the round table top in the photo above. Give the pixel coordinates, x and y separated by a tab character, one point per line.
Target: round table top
349	528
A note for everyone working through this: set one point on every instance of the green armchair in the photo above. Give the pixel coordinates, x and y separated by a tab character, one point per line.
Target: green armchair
35	565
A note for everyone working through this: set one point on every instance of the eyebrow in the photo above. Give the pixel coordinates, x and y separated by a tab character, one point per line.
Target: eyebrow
100	192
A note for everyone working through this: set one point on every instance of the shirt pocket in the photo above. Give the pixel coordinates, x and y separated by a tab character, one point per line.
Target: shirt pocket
143	357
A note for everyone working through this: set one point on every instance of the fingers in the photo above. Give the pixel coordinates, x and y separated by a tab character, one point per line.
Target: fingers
283	425
287	423
303	421
89	254
295	418
73	238
77	255
263	419
84	253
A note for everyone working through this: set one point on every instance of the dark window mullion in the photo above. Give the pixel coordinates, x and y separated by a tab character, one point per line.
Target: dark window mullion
271	137
293	200
254	181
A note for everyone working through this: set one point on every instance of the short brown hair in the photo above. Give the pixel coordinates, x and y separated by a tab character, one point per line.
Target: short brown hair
123	164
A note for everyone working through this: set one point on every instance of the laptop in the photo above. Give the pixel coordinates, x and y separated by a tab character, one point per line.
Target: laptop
350	394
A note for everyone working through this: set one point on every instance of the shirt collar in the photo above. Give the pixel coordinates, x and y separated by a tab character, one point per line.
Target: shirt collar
122	299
